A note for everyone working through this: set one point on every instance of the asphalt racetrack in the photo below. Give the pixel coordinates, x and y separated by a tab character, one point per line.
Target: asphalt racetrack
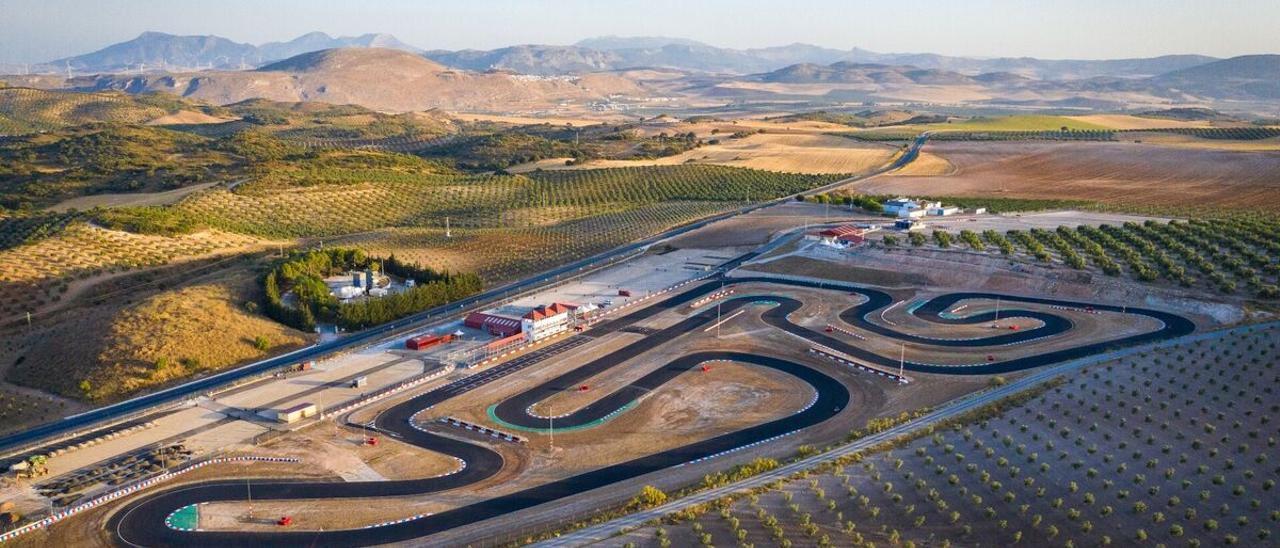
141	522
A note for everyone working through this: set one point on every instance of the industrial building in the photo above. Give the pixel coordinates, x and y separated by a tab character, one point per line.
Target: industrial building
493	324
907	208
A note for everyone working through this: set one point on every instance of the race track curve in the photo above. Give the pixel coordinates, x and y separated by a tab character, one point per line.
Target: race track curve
141	521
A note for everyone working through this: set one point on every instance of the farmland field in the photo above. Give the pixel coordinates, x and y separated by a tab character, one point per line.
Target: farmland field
349	201
773	152
1136	175
1162	448
1224	256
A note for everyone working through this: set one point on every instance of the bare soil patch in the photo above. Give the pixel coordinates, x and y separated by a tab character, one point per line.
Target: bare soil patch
797	153
1119	173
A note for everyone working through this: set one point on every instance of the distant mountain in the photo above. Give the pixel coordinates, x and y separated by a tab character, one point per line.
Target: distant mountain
616	53
315	41
156	50
377	78
863	73
530	59
609	43
1244	77
160	51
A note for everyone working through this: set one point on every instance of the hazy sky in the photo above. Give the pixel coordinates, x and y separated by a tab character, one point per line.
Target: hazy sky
40	30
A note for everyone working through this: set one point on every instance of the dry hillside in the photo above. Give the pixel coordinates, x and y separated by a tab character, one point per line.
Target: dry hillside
381	79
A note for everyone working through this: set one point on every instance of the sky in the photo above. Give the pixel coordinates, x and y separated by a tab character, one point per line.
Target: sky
40	30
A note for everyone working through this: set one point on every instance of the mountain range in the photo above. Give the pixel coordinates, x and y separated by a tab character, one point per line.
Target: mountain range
156	50
380	72
378	78
160	51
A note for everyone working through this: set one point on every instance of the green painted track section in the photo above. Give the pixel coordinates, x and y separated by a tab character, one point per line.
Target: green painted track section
187	517
494	417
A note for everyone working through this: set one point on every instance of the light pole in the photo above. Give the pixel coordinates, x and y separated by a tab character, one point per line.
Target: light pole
902	360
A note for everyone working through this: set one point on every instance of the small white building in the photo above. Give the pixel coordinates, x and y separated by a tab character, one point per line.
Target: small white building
906	208
349	292
941	211
296	413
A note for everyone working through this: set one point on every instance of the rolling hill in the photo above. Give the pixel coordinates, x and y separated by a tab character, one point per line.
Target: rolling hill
377	78
1247	76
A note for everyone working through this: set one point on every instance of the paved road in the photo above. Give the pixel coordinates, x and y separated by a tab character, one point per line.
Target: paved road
141	522
140	404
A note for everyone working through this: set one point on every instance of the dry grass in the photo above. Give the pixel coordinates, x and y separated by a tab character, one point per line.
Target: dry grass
796	153
121	348
925	165
201	324
188	117
1115	173
1125	121
1188	141
39	275
129	199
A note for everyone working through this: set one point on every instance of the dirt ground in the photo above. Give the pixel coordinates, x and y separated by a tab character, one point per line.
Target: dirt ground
755	228
1128	173
342	452
774	152
132	199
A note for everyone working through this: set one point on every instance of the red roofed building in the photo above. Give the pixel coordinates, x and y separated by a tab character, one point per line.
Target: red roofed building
843	235
545	321
493	324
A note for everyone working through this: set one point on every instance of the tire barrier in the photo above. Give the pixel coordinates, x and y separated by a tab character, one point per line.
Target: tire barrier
66	513
710	298
483	430
397	522
844	331
828	354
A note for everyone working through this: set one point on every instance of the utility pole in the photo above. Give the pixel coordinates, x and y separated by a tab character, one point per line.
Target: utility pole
902	360
997	310
447	232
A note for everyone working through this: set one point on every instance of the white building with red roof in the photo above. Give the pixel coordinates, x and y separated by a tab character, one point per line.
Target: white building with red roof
547	320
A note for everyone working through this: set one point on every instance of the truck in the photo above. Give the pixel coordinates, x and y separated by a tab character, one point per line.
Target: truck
624	292
359	382
423	342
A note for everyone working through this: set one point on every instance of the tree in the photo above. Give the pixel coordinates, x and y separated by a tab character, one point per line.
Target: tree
261	343
648	497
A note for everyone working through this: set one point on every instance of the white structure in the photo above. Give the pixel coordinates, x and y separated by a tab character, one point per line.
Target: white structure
979	210
944	210
546	321
908	208
378	292
910	213
349	292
